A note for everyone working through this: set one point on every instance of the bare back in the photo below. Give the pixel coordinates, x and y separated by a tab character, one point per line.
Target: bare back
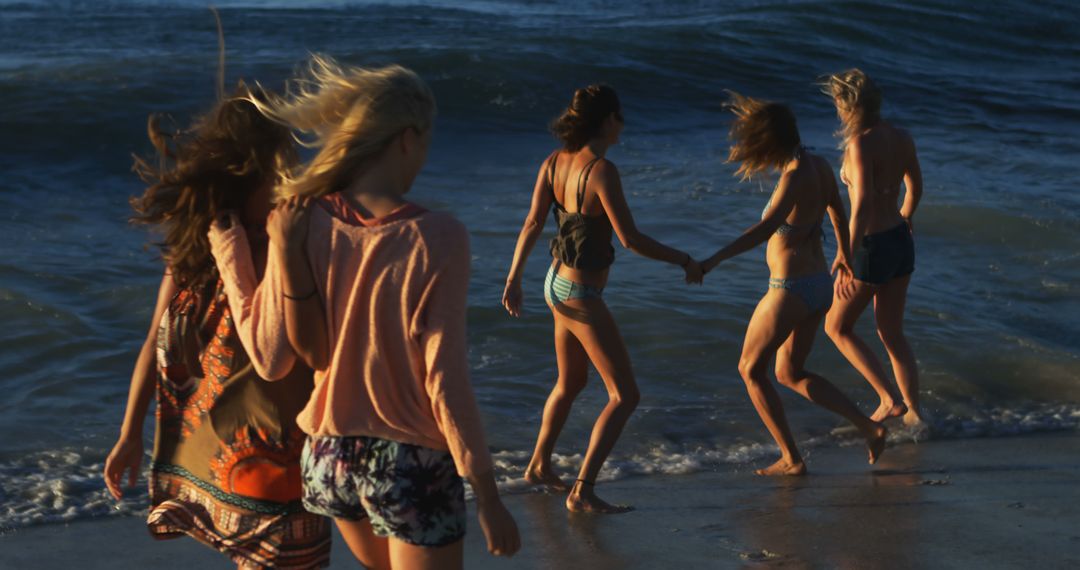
889	154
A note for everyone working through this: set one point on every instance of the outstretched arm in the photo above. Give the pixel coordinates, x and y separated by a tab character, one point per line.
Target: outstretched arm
914	185
126	455
530	232
783	201
610	191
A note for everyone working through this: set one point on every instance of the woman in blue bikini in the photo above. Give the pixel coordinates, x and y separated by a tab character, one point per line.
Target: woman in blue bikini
585	193
765	138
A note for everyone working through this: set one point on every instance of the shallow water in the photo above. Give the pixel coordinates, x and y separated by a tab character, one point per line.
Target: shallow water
991	95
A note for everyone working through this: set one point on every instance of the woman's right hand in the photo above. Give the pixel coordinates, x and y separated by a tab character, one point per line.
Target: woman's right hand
499	528
287	225
511	298
126	456
695	273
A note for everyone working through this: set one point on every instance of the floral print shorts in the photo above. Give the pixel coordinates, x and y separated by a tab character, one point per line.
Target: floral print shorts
409	492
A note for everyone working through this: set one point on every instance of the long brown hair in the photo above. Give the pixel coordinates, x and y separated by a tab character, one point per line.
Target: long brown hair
857	99
585	115
199	172
764	135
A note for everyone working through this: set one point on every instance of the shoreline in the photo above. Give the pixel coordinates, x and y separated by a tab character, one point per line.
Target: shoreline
989	503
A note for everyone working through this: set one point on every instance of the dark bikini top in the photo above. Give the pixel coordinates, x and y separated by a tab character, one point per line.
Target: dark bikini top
582	242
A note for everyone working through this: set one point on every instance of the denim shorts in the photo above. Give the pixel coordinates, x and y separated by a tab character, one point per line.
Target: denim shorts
411	493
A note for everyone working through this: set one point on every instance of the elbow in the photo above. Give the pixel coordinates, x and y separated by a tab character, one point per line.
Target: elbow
269	371
631	241
315	359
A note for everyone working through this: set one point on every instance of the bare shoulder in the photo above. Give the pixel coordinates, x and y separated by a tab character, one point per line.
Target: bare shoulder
605	173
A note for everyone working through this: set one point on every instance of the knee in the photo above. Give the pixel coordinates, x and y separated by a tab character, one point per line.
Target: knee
891	336
625	398
834	327
787	374
747	369
568	388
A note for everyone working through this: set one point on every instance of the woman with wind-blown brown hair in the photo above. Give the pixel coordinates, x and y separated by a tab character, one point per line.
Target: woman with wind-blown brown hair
226	461
583	190
765	138
878	157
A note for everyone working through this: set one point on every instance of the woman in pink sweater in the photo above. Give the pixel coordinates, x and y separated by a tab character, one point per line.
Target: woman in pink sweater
370	290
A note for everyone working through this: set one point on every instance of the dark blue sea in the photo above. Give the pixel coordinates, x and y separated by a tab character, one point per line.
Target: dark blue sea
990	91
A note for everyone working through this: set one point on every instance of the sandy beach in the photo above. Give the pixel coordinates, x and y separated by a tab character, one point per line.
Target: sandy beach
977	503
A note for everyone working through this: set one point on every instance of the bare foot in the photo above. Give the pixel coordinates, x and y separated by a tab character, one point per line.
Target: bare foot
875	442
913	419
544	477
783	467
889	410
584	500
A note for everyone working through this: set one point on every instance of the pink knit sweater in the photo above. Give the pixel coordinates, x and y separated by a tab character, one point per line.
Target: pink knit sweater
394	290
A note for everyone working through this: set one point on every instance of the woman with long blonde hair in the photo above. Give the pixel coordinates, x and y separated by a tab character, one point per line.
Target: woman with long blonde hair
370	290
878	157
765	138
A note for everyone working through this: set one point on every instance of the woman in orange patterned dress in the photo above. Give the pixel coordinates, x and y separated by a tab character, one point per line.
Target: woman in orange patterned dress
226	461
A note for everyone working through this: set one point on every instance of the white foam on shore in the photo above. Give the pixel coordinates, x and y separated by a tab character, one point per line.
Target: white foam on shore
59	486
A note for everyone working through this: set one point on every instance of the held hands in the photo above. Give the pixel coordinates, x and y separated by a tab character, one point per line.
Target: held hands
288	223
844	286
694	272
511	298
126	456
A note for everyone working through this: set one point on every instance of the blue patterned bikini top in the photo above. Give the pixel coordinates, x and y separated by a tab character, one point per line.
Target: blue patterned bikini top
786	228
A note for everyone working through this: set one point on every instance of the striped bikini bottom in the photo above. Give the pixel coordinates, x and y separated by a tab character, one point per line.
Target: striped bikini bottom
558	289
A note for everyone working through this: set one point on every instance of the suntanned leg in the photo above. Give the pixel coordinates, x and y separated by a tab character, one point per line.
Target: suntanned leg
405	556
840	326
370	550
772	322
791	372
573	373
600	337
889	313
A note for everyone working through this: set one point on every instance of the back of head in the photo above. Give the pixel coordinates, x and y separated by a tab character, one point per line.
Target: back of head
857	99
211	167
350	115
584	118
764	135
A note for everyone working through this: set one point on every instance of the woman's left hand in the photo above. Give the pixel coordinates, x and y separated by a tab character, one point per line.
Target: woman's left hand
694	272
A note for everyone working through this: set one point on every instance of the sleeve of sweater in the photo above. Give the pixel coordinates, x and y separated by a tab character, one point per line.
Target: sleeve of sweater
445	347
257	309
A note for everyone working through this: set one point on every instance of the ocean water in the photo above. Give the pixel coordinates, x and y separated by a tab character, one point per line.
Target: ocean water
991	94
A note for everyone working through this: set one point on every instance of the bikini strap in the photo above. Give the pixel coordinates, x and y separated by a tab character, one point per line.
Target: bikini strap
554	158
583	182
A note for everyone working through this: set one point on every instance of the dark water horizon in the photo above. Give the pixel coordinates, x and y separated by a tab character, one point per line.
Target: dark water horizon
991	93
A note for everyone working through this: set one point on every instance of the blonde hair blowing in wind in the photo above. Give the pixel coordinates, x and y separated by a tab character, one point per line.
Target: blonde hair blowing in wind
858	101
350	114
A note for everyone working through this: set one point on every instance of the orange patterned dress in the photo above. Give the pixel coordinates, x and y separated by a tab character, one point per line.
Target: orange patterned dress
226	468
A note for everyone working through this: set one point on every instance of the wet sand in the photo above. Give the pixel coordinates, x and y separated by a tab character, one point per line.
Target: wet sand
978	503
